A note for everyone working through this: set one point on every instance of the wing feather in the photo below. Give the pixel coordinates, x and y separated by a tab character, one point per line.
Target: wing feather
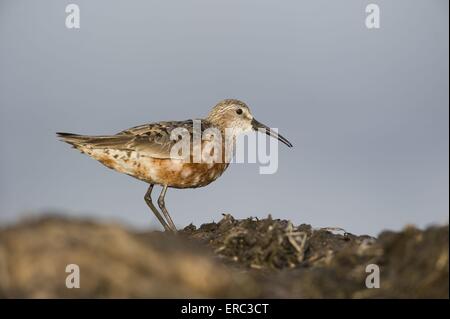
151	140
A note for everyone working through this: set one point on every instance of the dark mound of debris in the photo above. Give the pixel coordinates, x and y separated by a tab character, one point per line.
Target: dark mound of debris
249	258
274	244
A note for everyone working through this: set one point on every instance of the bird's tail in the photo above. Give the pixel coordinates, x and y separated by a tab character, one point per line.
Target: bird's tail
98	142
104	148
75	140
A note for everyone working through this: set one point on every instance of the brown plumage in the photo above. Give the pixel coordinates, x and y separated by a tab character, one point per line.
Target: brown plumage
144	151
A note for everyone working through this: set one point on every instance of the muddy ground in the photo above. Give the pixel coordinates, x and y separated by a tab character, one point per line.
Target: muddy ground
232	258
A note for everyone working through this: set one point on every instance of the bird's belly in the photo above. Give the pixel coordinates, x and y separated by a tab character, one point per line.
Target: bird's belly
178	174
190	175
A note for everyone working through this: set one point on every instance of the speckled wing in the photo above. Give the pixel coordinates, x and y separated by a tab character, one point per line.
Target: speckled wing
154	139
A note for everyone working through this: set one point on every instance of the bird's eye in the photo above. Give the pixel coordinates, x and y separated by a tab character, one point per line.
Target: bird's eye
239	111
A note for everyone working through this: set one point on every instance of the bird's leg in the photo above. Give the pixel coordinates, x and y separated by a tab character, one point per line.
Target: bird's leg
162	205
148	200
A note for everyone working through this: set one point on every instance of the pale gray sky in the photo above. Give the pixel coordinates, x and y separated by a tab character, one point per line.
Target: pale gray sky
367	110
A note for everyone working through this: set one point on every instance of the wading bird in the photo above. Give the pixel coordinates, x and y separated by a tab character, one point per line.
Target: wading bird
144	151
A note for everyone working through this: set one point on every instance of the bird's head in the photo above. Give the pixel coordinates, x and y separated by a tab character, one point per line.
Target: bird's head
235	115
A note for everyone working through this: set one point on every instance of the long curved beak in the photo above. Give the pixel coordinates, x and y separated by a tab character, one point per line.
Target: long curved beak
257	126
